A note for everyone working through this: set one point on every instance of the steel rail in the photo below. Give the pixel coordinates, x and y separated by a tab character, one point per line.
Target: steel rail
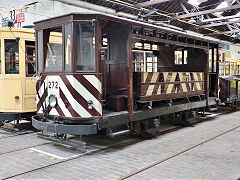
16	150
16	134
81	155
125	143
175	155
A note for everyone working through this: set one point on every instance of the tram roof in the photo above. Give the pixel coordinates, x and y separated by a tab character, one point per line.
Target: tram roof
14	29
58	20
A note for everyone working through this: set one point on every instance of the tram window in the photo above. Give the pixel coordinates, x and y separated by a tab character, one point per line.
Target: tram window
227	69
39	49
11	56
68	48
54	51
85	44
30	57
221	69
185	61
210	60
151	62
138	62
178	57
103	54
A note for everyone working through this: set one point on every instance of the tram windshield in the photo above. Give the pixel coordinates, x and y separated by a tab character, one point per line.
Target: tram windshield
54	51
85	47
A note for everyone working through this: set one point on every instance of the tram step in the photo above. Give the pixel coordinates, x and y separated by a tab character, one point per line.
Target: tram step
68	143
119	133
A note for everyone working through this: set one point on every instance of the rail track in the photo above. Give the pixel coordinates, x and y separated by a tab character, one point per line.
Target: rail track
175	155
118	145
121	144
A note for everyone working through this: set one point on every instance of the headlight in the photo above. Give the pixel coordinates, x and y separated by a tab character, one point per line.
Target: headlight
52	101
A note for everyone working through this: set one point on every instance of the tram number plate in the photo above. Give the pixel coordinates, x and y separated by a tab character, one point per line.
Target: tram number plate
53	85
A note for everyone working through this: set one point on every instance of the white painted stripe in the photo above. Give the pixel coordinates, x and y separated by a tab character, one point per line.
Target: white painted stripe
94	81
150	90
75	105
145	75
159	90
154	77
53	112
84	93
53	155
184	87
196	79
170	86
63	108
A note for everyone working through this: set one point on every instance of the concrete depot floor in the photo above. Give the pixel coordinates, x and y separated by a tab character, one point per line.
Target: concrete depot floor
218	158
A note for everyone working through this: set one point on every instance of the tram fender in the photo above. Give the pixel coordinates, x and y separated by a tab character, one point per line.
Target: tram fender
52	127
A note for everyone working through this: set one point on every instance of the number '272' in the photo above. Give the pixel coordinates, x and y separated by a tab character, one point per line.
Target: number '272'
53	84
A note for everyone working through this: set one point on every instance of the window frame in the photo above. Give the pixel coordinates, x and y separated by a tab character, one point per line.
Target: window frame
44	56
152	62
72	47
74	58
26	56
138	62
19	61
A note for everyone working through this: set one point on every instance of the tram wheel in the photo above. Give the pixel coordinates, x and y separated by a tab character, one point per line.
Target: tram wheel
150	128
233	107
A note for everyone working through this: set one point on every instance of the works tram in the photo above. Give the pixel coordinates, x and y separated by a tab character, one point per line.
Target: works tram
82	90
17	67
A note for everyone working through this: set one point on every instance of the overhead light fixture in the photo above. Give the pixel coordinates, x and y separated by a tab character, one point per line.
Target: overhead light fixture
192	20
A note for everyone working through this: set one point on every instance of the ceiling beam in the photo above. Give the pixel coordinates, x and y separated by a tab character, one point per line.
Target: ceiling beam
220	19
150	3
225	32
189	15
219	24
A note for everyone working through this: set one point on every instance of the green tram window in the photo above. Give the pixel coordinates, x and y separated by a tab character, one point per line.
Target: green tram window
30	58
54	51
85	45
11	56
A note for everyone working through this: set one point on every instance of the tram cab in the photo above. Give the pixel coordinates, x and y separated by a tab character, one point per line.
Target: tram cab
17	68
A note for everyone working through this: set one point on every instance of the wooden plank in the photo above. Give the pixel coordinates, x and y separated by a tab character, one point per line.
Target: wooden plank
161	97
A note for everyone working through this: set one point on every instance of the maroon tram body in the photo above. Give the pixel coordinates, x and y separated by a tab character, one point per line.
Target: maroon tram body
81	93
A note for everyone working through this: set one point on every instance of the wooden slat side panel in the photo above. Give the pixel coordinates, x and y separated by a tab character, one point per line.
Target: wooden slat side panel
168	84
